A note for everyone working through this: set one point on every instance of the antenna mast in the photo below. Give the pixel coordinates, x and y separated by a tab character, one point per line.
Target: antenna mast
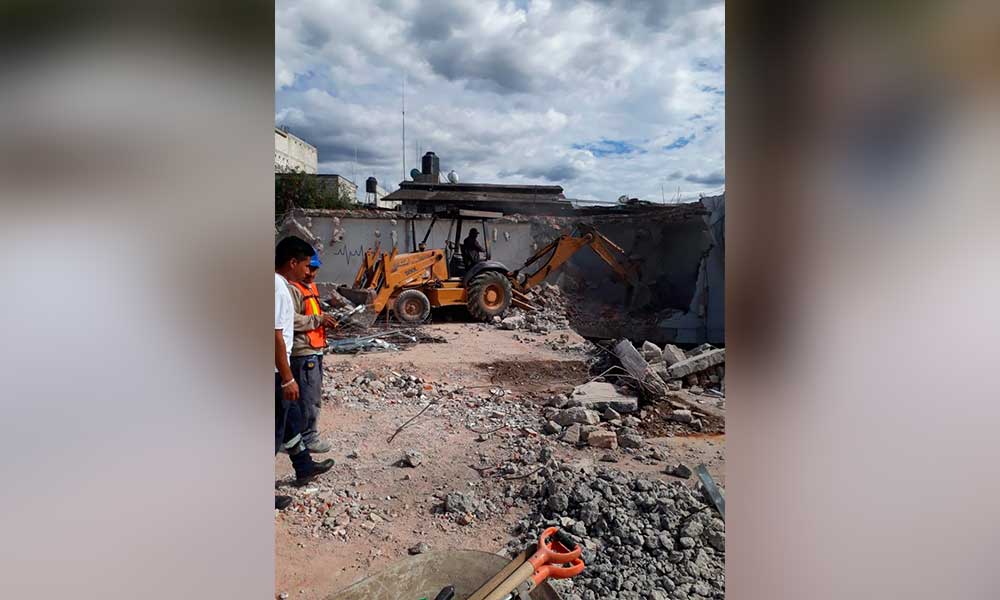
404	126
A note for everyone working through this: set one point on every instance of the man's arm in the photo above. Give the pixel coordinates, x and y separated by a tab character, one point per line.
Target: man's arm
479	247
309	322
289	388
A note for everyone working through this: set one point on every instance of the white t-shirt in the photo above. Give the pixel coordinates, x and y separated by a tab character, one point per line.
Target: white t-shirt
284	314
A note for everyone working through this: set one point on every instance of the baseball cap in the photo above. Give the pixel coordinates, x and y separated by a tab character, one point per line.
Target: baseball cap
315	262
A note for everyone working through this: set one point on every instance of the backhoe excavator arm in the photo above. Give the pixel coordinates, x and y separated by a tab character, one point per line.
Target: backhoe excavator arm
560	250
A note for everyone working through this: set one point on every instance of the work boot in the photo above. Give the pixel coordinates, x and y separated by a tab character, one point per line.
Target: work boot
318	446
317	469
282	502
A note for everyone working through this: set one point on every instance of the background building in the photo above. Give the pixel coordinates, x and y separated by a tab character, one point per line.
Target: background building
293	154
347	188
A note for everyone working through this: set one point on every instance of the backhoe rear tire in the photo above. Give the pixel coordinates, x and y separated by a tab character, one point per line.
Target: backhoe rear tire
489	295
412	307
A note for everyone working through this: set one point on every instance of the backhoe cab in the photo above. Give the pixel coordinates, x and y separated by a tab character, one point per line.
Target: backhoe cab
413	283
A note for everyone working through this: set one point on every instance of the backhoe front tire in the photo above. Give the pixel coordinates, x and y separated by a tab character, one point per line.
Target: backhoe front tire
489	295
412	307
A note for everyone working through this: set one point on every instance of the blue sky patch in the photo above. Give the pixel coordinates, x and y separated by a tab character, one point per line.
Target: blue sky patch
604	148
679	142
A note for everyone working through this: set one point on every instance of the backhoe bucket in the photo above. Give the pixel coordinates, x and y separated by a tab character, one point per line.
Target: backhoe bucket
424	575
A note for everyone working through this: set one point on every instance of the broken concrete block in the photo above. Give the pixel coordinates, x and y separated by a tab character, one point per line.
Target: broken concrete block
600	396
699	350
457	502
585	431
672	354
513	322
577	414
571	435
411	459
681	416
630	438
651	352
660	368
603	439
679	470
697	363
637	367
551	427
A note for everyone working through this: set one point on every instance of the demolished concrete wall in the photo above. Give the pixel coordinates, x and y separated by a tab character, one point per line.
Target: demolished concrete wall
680	292
344	236
681	251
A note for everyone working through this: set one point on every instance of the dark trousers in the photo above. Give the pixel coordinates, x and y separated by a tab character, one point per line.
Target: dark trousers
288	423
308	372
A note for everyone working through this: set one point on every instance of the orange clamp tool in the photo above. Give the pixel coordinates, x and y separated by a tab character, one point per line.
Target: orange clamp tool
552	555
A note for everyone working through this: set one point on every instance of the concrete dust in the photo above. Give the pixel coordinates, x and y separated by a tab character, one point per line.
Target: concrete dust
538	375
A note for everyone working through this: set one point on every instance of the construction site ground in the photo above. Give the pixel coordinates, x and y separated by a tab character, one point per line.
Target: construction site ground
399	502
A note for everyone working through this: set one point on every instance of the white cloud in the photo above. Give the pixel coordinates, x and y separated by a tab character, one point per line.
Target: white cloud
586	94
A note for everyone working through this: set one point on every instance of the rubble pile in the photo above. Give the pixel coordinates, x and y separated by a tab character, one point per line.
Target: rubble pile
563	343
322	510
700	369
641	538
479	409
376	390
595	414
552	313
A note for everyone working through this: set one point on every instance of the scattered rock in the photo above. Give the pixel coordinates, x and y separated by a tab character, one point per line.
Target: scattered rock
681	416
412	459
603	439
420	548
551	427
457	502
609	458
513	322
630	438
611	414
571	435
679	470
577	414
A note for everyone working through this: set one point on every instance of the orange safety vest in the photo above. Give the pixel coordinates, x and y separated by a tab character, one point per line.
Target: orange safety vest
310	300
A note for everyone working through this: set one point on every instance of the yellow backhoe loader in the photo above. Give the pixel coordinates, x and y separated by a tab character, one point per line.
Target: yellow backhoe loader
411	284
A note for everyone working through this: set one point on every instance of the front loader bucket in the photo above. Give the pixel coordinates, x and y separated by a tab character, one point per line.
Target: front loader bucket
357	296
424	575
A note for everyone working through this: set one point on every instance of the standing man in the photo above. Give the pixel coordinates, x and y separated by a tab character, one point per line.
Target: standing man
472	250
307	353
291	263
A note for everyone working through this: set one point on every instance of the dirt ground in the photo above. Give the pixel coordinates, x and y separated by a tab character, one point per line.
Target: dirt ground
311	564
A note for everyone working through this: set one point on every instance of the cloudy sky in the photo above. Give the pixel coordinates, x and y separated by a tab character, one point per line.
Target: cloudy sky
603	97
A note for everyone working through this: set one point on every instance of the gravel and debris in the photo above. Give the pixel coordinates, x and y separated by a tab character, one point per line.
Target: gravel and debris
641	538
519	420
551	313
